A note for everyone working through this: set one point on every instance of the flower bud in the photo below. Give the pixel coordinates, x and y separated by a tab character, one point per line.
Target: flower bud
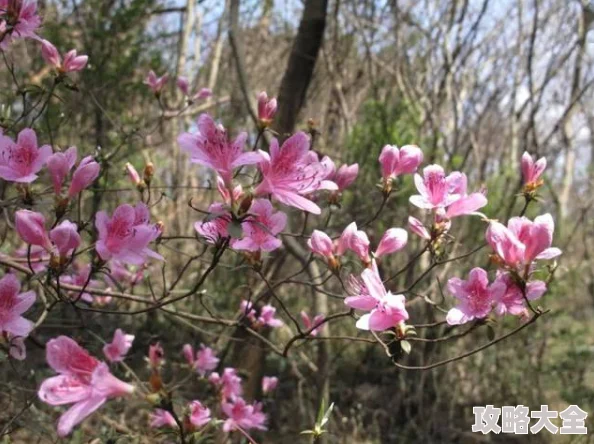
149	171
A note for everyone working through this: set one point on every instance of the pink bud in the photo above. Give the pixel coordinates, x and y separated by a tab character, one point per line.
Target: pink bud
204	93
269	384
188	353
199	415
50	54
84	175
321	244
531	171
156	355
30	226
119	347
345	176
73	62
393	240
395	162
354	240
417	227
59	164
132	173
65	237
183	85
266	108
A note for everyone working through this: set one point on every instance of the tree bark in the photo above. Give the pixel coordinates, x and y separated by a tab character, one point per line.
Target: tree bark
301	65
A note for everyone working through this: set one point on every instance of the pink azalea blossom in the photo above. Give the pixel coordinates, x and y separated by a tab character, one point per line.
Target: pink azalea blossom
386	310
59	165
393	240
118	348
248	309
396	162
204	361
155	83
266	108
12	305
308	323
65	238
126	235
523	241
215	226
156	355
21	161
82	381
511	301
417	227
320	243
267	317
30	226
199	414
211	148
355	240
290	173
80	278
84	175
269	384
23	15
242	415
261	227
476	296
72	61
162	419
531	170
229	383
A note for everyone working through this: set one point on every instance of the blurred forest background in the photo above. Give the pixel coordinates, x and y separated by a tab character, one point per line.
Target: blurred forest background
474	83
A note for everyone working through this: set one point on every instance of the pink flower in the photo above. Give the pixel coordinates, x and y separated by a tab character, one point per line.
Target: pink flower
396	162
523	241
126	235
155	83
269	384
290	173
355	240
119	346
216	224
266	317
162	418
199	415
82	380
183	85
12	305
243	415
59	165
21	161
229	383
205	360
266	108
345	175
476	296
261	227
84	175
211	148
156	355
65	238
72	61
417	227
393	240
511	301
531	170
80	278
386	309
308	323
30	226
248	309
22	14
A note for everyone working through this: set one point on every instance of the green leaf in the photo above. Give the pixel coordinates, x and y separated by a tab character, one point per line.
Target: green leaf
327	415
